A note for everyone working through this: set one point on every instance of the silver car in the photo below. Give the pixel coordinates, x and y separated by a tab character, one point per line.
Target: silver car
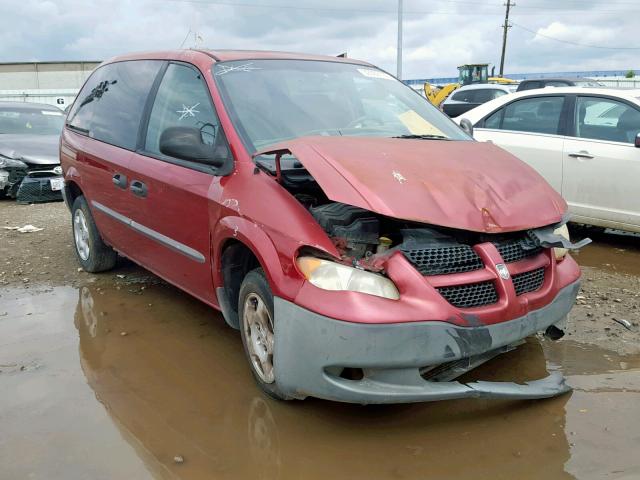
29	160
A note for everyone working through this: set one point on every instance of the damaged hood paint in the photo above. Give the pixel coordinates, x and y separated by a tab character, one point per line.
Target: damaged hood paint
31	149
459	184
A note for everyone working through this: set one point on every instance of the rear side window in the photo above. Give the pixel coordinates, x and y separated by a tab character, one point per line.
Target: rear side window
110	105
606	119
485	95
463	96
478	95
556	83
536	115
529	85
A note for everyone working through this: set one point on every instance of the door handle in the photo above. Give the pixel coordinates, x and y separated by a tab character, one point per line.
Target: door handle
138	188
120	180
580	154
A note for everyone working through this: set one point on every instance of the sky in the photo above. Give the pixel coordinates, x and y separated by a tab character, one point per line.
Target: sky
438	34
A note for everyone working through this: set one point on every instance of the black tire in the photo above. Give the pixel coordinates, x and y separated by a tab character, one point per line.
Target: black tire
255	283
101	257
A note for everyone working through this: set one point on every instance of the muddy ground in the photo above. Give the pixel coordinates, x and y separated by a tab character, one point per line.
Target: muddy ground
120	375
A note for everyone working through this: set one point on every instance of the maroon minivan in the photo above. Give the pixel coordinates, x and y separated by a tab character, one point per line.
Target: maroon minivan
367	249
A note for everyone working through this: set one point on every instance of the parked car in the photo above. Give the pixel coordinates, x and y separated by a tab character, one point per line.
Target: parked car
367	249
583	141
534	83
29	141
471	96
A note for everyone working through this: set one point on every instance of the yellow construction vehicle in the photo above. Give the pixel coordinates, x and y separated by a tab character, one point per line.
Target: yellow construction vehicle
467	74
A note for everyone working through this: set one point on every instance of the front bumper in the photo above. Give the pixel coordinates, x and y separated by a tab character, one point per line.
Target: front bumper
35	187
310	349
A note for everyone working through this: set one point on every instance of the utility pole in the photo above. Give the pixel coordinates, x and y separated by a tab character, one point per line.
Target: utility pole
399	49
505	27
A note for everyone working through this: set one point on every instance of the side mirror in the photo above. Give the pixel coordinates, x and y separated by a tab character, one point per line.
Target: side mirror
186	143
637	143
467	126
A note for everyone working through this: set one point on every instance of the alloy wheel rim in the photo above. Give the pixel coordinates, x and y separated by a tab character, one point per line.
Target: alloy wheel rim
81	234
258	331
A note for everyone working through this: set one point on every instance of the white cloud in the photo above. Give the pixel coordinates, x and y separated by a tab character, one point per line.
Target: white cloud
439	35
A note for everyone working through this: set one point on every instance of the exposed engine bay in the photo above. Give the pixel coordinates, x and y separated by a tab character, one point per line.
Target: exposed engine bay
364	238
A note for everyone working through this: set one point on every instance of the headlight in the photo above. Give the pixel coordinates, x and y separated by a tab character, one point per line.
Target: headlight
11	163
335	276
561	252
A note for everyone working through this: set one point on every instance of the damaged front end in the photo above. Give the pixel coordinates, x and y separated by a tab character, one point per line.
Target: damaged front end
39	184
11	174
439	300
30	168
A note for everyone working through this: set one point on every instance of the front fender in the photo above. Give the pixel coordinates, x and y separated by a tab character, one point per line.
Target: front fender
276	262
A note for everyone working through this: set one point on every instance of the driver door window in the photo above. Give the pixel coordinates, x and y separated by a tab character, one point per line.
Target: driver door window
535	115
183	101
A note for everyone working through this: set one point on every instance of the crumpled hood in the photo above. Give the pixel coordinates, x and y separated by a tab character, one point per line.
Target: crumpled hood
31	149
459	184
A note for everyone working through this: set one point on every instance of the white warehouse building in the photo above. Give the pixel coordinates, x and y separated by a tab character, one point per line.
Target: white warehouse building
55	83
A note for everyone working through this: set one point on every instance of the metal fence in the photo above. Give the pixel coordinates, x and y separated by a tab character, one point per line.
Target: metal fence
620	82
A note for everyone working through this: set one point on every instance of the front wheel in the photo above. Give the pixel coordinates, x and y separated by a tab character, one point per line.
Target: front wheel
92	253
257	329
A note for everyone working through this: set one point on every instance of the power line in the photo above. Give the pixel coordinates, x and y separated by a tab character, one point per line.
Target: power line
573	43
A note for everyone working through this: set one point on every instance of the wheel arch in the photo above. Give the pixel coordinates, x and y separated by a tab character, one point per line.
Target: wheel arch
70	192
239	246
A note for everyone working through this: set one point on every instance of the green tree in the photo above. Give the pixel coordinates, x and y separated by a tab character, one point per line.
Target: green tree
630	74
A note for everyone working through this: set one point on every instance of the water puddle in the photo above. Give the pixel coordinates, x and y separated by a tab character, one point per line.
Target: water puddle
118	383
613	251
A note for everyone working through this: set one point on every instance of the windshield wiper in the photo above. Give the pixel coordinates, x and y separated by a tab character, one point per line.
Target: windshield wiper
422	137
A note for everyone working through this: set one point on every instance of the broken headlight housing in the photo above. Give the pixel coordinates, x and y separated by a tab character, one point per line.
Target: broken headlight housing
330	275
563	231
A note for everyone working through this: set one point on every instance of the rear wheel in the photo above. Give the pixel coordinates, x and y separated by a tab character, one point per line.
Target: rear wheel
257	329
92	253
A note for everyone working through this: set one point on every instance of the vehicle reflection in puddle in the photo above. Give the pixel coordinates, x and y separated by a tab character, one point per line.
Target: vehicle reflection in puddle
177	383
173	379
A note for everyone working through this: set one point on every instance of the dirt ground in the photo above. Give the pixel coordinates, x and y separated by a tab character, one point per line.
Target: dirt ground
120	375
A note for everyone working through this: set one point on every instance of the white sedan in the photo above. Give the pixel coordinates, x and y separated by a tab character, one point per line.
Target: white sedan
584	141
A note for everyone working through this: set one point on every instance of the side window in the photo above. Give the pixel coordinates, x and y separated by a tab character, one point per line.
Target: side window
109	106
485	95
531	85
183	101
494	120
498	93
463	96
556	83
536	115
606	119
